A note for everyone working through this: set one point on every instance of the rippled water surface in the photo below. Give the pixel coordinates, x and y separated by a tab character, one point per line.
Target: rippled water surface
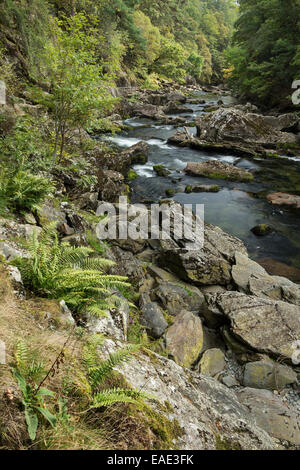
238	207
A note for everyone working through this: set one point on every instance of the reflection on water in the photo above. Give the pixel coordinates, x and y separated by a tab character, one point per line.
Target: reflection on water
238	207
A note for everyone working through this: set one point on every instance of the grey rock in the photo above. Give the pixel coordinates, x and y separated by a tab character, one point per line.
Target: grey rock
175	298
230	381
66	313
203	408
268	375
10	253
212	362
152	318
265	325
185	338
233	125
277	419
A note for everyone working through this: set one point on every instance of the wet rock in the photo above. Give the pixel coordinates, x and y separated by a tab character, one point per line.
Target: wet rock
170	192
208	412
160	170
185	338
152	317
267	326
204	188
233	125
268	375
284	199
216	169
138	153
271	414
212	362
262	230
175	297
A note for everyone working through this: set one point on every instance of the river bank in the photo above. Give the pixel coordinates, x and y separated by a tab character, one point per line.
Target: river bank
238	206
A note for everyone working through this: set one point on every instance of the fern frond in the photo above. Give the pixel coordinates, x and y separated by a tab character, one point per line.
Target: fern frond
21	355
117	395
98	373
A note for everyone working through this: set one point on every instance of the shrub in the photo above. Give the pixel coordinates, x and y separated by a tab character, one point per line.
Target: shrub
61	271
23	190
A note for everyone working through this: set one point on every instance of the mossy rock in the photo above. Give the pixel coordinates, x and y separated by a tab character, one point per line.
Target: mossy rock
132	175
170	192
160	170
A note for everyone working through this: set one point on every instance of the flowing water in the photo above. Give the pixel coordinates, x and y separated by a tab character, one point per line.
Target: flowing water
238	207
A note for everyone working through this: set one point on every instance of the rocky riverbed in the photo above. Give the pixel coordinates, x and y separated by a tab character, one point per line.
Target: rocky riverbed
222	333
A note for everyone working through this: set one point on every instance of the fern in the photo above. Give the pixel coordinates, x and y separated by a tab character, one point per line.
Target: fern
61	271
98	370
117	395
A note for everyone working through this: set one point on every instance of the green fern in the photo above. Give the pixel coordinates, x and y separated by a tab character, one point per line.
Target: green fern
61	271
117	395
98	370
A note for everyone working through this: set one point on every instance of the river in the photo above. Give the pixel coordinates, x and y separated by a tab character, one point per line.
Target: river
238	207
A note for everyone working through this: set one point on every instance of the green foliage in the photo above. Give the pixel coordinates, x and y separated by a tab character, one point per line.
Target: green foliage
97	371
265	50
22	190
58	270
171	60
78	85
27	372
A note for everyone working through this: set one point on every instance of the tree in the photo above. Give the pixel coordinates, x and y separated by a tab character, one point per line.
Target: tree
265	51
78	94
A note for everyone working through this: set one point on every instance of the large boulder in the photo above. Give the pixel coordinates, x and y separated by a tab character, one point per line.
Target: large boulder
202	264
252	278
138	153
268	375
144	110
271	414
284	199
233	125
175	297
216	169
188	338
209	415
266	325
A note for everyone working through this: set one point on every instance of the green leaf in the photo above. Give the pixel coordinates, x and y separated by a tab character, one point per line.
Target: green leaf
49	416
44	392
32	422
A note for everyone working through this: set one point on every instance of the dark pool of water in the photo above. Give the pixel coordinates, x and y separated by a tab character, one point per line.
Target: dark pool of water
238	207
